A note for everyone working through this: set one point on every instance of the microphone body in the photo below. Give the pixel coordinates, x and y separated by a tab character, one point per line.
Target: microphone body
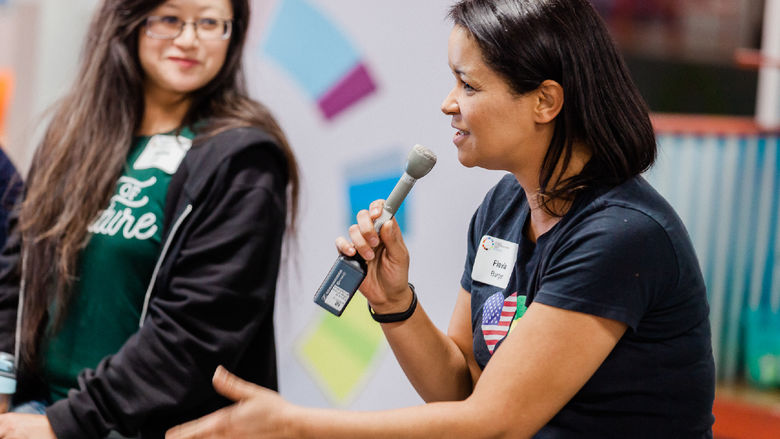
348	272
394	200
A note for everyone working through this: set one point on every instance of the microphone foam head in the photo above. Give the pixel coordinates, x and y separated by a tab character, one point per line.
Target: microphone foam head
420	161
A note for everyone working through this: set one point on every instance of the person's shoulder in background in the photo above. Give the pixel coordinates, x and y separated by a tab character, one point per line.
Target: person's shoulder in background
11	186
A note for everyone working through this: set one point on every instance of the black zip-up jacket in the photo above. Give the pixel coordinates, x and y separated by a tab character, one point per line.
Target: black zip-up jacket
210	301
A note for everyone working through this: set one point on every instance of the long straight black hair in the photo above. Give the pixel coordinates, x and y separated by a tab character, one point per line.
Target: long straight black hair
530	41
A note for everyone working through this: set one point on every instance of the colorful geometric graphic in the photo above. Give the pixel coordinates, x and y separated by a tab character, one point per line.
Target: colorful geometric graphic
488	242
6	88
340	352
373	179
497	316
318	56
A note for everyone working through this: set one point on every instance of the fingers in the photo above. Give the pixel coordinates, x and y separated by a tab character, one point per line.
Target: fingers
184	431
365	223
363	238
393	239
231	386
345	247
375	208
215	425
360	244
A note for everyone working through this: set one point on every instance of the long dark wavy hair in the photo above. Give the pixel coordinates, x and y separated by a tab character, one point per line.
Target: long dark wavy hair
530	41
81	156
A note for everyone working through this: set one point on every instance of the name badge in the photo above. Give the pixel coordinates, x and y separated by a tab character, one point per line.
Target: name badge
494	262
164	152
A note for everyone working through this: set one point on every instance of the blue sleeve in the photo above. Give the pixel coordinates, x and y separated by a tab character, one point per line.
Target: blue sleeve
10	190
613	264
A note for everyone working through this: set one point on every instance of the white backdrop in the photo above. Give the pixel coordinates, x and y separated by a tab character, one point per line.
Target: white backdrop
40	41
403	43
403	46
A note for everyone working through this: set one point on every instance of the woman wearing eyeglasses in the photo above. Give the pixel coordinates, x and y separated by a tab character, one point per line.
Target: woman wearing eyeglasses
149	240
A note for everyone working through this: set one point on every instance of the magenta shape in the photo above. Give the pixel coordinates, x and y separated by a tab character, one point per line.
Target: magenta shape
353	87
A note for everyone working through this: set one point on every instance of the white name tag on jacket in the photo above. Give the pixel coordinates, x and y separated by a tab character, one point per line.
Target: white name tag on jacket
495	261
164	152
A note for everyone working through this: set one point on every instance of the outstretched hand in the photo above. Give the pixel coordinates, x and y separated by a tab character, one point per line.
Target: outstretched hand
386	284
258	413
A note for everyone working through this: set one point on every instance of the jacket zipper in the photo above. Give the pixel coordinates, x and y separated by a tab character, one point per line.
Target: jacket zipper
19	310
20	306
163	253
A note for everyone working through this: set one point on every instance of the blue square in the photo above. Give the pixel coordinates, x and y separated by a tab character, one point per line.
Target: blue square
361	194
309	46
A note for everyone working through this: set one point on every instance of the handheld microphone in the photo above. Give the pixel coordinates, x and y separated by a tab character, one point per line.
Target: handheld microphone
348	272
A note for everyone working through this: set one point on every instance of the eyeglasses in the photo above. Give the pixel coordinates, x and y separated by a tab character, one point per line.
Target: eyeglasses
169	27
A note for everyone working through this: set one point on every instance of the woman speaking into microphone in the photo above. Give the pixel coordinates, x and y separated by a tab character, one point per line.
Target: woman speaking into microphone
582	311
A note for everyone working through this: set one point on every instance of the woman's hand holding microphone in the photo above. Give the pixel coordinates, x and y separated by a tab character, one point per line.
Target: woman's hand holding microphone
386	286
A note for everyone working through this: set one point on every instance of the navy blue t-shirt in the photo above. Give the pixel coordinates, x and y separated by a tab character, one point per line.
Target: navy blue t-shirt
621	253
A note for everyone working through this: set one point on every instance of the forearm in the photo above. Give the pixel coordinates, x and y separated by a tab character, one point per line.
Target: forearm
434	363
431	360
435	420
261	413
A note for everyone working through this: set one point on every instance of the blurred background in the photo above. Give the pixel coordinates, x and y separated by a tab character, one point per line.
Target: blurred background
681	53
356	83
